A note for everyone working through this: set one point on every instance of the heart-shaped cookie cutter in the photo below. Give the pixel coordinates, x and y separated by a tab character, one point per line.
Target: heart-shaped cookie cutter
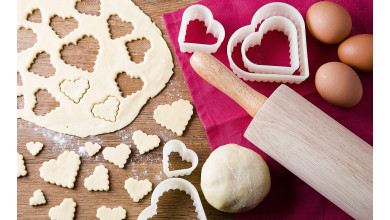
185	153
279	23
202	13
267	11
172	184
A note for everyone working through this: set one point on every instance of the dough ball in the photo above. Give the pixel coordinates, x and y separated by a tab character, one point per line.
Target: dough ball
235	179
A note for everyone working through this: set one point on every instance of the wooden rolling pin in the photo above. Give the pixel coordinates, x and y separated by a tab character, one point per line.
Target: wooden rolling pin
301	137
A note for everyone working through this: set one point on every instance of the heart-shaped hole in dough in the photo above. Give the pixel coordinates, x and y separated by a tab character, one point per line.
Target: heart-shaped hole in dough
90	7
20	102
196	33
128	85
63	26
45	103
137	49
35	16
41	65
83	54
119	28
26	39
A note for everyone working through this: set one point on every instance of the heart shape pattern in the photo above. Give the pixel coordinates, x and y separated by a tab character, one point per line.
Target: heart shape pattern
88	7
98	181
38	198
35	16
64	211
104	213
92	148
117	155
185	153
107	110
74	89
61	171
202	13
174	117
172	184
63	26
34	148
138	188
145	142
118	27
265	12
20	168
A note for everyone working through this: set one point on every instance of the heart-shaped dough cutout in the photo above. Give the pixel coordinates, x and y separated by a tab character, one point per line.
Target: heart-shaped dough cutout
61	171
34	148
145	142
104	213
98	181
64	211
107	110
185	153
38	198
138	188
172	184
92	148
74	89
20	168
117	155
201	13
174	117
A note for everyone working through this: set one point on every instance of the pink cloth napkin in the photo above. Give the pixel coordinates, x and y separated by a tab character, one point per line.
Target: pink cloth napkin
225	121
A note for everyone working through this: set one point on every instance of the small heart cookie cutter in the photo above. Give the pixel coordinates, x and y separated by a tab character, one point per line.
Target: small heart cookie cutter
185	153
166	185
202	13
279	23
267	11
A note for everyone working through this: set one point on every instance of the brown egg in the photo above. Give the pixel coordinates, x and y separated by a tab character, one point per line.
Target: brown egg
328	22
357	52
338	84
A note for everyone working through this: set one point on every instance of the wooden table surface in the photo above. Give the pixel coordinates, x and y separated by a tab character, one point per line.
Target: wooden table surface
174	204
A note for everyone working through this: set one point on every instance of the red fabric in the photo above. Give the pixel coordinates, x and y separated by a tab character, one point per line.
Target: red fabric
225	121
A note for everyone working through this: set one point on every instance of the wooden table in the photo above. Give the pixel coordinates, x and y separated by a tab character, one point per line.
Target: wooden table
174	204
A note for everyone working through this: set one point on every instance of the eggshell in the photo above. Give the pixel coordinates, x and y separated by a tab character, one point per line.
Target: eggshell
357	52
339	84
328	22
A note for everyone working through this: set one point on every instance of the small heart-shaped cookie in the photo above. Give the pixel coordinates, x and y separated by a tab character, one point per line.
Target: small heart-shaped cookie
107	110
104	213
145	142
92	148
61	171
38	198
138	188
186	154
34	148
75	89
117	155
64	211
98	180
174	117
20	168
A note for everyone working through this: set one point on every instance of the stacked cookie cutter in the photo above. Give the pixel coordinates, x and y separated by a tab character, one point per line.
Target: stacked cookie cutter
273	16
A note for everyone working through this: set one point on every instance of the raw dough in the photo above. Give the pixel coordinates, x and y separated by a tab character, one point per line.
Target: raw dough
92	148
113	58
174	117
20	168
34	148
64	211
38	198
98	180
138	188
104	213
61	171
145	142
235	179
117	155
74	89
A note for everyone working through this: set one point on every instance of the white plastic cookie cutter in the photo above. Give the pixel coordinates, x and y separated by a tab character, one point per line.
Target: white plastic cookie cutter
273	23
185	153
202	13
172	184
267	11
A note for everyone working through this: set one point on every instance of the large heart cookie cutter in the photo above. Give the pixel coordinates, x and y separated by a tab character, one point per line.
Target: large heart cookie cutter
202	13
273	23
185	153
267	11
166	185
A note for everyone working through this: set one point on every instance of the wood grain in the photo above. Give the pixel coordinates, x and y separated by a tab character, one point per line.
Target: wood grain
173	204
